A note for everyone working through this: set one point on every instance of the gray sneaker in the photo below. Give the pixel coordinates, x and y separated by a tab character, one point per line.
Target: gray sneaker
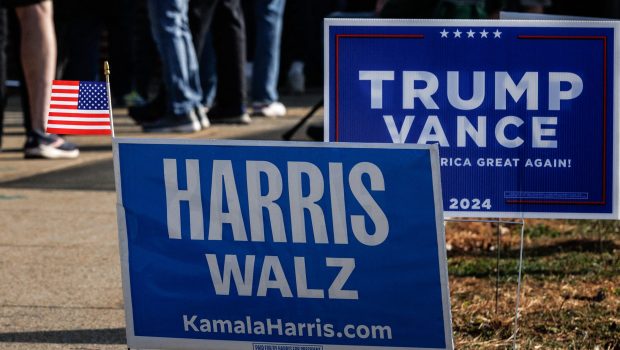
186	123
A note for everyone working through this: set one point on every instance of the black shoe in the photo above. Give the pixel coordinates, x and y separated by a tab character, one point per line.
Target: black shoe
231	119
186	123
219	116
149	112
315	132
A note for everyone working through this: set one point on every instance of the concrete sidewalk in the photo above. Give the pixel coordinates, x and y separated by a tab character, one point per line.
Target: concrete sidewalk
60	283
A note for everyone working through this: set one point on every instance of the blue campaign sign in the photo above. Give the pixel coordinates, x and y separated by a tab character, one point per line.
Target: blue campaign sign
281	245
525	112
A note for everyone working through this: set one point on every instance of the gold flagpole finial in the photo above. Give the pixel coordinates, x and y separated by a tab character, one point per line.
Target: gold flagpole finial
106	71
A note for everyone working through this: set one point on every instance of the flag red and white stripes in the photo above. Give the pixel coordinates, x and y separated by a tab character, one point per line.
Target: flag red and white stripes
79	107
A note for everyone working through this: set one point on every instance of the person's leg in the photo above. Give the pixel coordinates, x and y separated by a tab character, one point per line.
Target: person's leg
296	36
147	63
200	19
228	30
248	8
118	20
268	17
82	45
169	24
208	76
14	39
3	40
171	33
147	70
38	56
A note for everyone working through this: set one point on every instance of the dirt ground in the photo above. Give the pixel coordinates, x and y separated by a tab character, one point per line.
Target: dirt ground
570	294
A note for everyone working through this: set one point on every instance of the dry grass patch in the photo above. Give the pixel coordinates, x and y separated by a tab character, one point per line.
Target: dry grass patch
571	287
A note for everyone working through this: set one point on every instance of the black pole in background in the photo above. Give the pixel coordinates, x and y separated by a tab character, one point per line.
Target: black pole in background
289	134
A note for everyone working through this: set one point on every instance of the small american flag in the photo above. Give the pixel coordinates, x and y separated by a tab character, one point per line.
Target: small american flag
79	107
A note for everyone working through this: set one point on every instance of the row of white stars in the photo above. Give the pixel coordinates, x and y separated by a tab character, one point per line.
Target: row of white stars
471	34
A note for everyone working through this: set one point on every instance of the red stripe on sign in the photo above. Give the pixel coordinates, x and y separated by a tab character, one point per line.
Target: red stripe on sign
552	202
78	131
71	122
66	82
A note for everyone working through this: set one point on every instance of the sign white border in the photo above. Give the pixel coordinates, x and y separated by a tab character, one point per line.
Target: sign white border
139	342
384	22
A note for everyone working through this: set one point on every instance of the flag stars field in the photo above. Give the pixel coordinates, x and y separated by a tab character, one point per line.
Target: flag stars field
93	96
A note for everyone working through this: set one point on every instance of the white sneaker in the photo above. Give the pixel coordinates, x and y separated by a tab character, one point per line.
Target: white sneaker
201	113
49	146
272	110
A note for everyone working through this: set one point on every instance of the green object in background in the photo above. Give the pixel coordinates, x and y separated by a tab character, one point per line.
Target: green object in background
462	9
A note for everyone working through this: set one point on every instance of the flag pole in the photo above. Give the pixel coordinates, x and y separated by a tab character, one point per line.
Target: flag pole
106	71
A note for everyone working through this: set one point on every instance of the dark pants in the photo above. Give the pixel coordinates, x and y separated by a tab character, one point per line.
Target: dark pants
9	31
302	37
3	40
79	48
224	19
79	31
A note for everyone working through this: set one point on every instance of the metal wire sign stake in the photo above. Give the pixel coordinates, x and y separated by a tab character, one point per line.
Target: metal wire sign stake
520	268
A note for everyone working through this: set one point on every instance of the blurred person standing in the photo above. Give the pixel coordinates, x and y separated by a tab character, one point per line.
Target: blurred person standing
223	19
9	32
38	61
3	42
534	6
173	39
302	43
80	31
461	9
531	6
266	23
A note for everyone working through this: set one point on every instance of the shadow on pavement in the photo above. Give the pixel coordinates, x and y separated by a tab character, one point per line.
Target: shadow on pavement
97	176
81	336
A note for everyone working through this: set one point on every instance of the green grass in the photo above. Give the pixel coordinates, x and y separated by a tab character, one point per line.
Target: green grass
600	265
540	230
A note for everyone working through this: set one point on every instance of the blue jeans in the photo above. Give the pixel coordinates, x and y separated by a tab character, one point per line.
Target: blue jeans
170	28
268	15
